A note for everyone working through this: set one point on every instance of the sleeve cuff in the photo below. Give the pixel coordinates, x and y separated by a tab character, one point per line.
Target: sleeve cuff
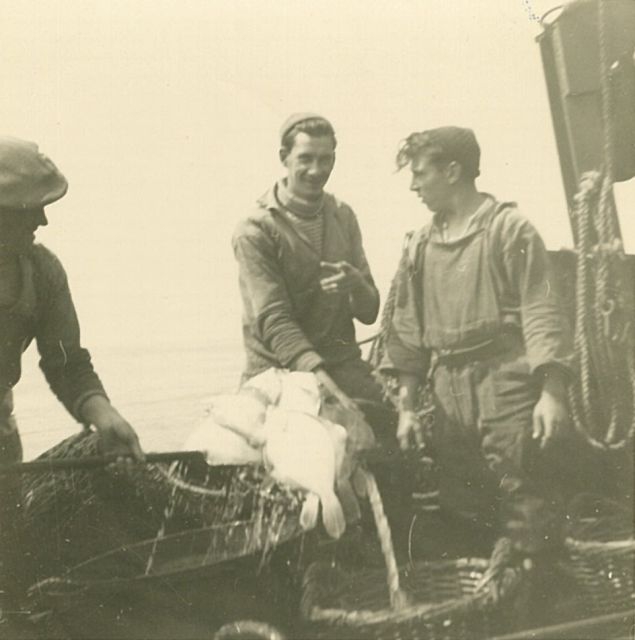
307	361
79	402
565	368
401	360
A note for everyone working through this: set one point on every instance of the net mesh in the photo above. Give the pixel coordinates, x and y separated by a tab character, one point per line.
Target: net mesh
88	527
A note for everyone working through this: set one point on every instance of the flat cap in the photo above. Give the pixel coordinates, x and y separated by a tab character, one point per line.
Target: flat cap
296	118
28	179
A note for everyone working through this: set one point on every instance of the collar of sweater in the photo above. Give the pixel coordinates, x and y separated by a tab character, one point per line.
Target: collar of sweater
297	206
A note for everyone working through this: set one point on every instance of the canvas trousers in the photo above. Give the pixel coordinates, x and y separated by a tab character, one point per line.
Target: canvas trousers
492	472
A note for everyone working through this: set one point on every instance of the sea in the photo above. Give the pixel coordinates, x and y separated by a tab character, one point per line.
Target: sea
162	390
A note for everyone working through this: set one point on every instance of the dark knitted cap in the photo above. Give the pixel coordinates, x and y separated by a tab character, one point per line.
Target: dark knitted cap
28	179
444	144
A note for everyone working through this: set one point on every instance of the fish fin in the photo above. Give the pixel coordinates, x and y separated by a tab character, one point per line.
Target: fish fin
348	500
310	511
332	515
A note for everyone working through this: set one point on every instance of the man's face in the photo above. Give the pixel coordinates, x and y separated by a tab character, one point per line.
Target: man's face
17	230
309	164
431	183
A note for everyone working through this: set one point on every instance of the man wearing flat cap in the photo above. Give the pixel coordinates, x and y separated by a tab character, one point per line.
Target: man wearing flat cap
475	314
36	304
304	277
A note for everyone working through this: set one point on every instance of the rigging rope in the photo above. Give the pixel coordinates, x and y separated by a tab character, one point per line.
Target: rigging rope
604	330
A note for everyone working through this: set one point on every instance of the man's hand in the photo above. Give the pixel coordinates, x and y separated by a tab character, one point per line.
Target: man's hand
551	418
344	277
329	384
118	438
409	430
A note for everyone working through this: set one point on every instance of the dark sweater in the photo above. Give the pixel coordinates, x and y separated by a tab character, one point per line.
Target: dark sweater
44	311
287	320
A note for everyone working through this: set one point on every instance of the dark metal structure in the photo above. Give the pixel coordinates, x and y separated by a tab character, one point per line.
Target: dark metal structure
570	45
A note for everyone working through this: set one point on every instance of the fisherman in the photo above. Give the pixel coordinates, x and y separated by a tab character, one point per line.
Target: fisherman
35	303
304	276
477	315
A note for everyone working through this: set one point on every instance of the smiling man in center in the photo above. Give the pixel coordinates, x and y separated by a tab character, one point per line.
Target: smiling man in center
304	276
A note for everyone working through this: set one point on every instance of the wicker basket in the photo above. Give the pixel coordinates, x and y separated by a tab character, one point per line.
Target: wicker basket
443	603
604	574
600	555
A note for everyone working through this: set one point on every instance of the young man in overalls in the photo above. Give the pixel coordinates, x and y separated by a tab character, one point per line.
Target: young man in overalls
476	314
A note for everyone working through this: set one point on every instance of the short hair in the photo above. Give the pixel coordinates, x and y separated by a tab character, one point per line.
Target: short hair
314	127
442	146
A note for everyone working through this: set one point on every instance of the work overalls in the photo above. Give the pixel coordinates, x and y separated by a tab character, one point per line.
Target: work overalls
491	470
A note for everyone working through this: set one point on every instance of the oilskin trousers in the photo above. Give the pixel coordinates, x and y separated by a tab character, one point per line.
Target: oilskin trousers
492	472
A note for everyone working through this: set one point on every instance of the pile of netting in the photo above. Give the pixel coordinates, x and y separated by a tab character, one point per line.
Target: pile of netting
85	528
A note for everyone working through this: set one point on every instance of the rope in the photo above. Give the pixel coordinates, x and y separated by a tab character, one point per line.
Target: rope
503	570
398	597
378	346
603	341
604	336
186	486
372	339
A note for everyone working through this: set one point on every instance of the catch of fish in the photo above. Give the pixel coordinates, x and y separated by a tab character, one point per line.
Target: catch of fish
278	419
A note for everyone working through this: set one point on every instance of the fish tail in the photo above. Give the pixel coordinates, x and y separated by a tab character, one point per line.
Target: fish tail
332	515
310	510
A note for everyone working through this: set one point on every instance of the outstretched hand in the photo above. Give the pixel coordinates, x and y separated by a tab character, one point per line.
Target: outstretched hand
118	438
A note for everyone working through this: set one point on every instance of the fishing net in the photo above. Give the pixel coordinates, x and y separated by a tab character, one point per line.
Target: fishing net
90	528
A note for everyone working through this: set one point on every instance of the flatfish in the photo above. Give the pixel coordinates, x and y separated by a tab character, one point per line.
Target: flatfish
301	453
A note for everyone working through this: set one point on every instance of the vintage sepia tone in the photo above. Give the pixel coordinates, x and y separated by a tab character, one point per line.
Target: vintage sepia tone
335	307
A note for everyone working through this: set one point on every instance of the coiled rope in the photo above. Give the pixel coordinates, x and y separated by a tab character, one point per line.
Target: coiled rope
602	401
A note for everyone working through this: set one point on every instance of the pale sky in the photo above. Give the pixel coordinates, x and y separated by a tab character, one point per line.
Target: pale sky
163	115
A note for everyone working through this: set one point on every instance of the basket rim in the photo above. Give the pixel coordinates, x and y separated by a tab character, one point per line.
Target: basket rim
595	545
422	611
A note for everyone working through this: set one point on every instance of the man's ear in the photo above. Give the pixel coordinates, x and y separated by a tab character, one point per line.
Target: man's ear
283	154
453	172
